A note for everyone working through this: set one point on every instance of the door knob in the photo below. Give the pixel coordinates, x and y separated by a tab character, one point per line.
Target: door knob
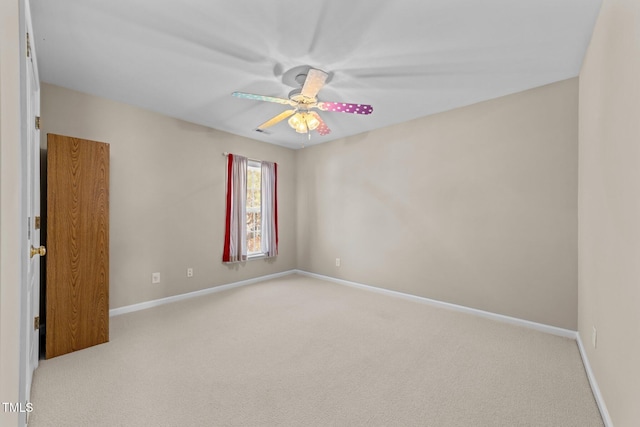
38	251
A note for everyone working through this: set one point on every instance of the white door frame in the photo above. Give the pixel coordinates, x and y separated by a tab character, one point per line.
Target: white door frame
12	206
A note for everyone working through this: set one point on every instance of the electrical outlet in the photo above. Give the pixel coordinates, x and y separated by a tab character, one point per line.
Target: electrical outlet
189	272
155	278
337	262
594	337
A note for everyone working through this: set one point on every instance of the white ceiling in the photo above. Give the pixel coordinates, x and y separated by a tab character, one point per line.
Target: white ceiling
407	58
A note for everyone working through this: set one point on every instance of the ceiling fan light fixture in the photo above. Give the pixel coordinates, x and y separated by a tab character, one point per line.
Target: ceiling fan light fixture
312	121
303	122
294	121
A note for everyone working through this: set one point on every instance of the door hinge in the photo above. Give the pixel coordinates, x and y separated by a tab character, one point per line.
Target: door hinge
37	223
28	46
36	323
37	122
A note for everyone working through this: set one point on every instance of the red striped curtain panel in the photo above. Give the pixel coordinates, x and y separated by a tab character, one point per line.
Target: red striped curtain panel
235	236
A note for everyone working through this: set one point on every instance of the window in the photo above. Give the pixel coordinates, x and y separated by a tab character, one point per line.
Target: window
251	223
254	208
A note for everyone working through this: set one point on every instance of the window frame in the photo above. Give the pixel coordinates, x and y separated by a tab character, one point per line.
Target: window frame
254	164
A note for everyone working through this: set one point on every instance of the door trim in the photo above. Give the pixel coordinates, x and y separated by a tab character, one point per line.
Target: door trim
12	225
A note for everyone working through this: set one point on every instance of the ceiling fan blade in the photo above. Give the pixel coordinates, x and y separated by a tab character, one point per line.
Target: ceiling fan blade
313	83
262	98
342	107
322	128
277	119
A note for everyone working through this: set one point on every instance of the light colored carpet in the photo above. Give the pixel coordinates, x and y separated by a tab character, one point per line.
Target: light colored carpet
298	351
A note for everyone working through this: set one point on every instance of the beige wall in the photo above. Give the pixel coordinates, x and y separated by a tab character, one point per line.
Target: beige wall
167	195
475	206
609	207
10	209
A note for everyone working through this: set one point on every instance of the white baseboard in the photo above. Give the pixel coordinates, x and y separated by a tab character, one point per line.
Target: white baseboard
567	333
167	300
553	330
604	412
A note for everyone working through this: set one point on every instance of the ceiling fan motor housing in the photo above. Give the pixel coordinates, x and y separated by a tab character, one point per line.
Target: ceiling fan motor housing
302	101
300	78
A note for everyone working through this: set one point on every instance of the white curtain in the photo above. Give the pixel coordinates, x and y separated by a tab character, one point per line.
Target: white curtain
235	238
269	197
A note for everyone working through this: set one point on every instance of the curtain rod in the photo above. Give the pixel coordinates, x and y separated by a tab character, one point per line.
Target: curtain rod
226	153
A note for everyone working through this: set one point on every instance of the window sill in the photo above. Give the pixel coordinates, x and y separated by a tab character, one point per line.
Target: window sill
255	256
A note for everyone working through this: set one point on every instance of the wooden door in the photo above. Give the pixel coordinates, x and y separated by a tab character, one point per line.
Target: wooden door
77	278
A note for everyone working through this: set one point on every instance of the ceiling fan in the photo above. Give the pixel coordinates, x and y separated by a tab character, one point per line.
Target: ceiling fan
302	118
